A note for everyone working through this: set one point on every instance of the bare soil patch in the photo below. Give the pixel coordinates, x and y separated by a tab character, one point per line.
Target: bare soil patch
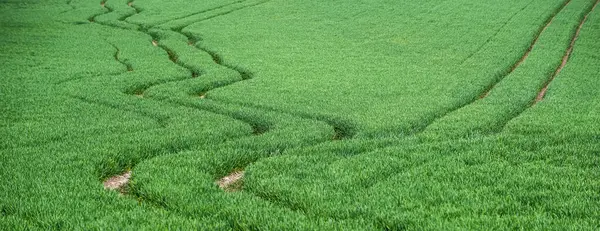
117	182
231	182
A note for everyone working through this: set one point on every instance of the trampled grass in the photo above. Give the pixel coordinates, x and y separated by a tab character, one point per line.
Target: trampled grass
380	115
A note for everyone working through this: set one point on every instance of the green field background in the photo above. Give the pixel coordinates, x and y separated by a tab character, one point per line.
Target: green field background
343	115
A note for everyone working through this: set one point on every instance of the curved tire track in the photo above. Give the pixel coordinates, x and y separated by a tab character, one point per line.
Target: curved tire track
495	33
118	59
526	54
487	91
244	74
566	57
564	60
341	132
172	56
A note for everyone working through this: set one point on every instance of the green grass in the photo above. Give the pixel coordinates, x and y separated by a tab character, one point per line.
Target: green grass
386	115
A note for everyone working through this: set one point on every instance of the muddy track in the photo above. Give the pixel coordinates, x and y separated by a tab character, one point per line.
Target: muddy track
566	57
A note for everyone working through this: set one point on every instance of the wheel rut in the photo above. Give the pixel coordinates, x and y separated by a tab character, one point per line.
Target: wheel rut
526	54
566	57
171	55
118	59
341	132
201	12
540	95
511	69
160	120
564	61
495	33
70	4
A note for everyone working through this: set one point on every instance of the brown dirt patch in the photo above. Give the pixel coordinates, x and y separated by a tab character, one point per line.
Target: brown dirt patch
231	182
117	182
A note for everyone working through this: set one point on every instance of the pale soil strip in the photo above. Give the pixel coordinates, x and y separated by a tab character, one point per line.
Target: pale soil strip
566	57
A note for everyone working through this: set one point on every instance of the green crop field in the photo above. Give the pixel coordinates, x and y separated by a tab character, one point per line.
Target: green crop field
300	115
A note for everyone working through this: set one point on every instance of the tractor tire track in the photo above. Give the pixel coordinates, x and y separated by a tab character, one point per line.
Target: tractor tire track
70	4
541	93
117	58
197	13
526	54
341	129
563	63
67	80
160	120
107	10
257	129
132	6
290	204
495	33
172	57
116	55
228	12
486	92
566	57
193	73
564	60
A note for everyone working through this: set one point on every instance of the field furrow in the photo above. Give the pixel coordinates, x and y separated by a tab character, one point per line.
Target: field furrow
526	54
565	59
163	40
520	87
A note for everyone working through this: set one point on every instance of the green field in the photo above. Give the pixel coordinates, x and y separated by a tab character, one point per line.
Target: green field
300	115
